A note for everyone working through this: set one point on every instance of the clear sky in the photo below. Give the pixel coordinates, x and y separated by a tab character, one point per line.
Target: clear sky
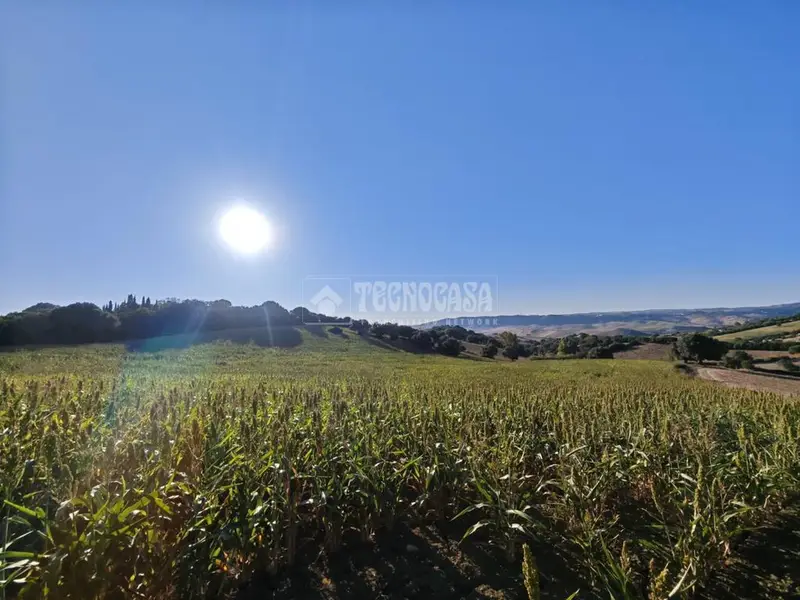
591	155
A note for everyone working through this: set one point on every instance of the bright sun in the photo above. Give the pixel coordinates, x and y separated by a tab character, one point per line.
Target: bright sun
245	230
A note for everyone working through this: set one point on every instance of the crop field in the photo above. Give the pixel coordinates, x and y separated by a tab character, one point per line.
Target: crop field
228	470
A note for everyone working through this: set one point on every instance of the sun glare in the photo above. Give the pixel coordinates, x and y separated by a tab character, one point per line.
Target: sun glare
245	230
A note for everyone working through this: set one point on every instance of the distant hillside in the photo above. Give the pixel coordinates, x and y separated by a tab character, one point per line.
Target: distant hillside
642	322
780	331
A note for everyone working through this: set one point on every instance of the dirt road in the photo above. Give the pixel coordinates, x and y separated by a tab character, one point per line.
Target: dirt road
751	381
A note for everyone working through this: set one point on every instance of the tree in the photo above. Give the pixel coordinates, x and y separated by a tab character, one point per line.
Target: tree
360	326
450	347
405	331
794	349
698	347
456	332
489	351
81	323
738	359
422	340
788	365
600	352
511	352
508	339
568	346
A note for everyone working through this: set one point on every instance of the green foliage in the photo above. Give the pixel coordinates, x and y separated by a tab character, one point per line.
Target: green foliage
508	339
752	325
568	345
698	348
423	340
450	347
83	323
478	338
788	365
738	359
599	352
187	473
489	351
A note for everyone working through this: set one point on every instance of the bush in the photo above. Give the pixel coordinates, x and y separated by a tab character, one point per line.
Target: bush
489	351
568	345
788	365
599	352
511	352
335	330
794	349
422	340
739	359
406	331
457	332
450	347
360	326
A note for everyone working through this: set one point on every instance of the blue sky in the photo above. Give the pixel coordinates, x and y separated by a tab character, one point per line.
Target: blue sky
592	156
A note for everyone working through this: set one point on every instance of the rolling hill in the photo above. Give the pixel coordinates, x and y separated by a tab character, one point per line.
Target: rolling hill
643	322
779	331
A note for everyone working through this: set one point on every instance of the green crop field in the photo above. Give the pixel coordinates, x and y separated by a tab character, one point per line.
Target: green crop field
784	329
193	473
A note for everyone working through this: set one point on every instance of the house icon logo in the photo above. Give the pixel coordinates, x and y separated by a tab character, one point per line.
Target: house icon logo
329	296
326	301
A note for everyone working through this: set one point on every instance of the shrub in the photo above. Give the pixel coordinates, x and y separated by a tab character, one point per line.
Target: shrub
568	345
489	351
788	365
511	352
422	340
360	326
738	359
599	352
450	347
406	331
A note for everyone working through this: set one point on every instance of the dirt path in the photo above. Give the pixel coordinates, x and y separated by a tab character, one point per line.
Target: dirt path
751	381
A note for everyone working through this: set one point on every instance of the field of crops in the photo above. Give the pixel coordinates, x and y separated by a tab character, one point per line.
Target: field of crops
189	473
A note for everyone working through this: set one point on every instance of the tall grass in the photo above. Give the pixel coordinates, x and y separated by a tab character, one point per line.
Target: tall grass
186	475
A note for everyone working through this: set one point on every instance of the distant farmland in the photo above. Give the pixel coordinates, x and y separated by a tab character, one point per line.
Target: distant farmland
771	330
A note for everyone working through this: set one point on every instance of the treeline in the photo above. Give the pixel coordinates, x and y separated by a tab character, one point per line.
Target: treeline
764	343
579	345
269	323
84	322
